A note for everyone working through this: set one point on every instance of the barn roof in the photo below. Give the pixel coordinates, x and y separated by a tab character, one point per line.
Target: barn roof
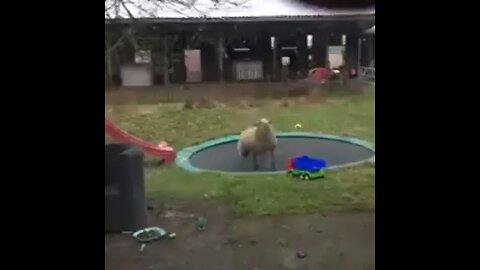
228	9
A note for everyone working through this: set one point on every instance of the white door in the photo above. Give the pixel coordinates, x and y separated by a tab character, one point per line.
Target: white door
136	75
193	65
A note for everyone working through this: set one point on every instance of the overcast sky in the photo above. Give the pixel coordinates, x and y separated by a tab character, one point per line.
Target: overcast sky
248	8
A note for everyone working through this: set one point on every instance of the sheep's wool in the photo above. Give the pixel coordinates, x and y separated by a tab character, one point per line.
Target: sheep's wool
257	139
246	141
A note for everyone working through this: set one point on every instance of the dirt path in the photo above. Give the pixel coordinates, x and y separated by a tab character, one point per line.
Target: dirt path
333	241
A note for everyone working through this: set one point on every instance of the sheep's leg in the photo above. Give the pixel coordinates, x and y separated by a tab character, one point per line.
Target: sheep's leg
272	159
268	161
255	163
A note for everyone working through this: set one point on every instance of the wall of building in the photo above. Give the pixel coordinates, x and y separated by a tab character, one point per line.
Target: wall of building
258	35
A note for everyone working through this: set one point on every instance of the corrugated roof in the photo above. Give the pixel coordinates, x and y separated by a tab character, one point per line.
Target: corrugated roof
207	9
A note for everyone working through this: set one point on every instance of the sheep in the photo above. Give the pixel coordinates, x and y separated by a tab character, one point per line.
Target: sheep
258	139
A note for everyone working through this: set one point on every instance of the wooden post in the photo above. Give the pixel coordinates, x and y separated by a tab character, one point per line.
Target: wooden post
108	57
302	60
327	51
352	51
359	56
274	59
220	57
320	49
326	60
166	73
370	49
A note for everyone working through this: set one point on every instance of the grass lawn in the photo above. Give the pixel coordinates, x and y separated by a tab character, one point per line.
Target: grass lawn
342	190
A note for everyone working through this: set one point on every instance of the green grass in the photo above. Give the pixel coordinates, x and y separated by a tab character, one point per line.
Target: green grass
345	189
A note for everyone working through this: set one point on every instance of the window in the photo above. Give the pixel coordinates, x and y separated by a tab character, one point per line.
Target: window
309	41
285	60
241	49
143	57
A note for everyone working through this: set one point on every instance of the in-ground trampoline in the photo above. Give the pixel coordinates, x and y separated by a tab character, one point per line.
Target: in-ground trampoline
221	154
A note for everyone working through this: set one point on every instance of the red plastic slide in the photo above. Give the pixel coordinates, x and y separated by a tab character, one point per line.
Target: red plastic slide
162	150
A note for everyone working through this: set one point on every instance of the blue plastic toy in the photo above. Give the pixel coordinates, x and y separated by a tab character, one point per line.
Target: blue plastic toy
306	167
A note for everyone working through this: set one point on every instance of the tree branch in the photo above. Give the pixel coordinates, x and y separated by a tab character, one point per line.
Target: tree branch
153	7
116	9
128	10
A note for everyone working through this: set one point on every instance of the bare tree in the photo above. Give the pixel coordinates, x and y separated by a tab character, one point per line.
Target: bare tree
115	9
132	11
339	3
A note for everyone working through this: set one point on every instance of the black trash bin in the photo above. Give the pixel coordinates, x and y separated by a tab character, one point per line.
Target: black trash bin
125	205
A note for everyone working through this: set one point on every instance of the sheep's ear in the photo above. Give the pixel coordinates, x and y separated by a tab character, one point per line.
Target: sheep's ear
270	121
256	124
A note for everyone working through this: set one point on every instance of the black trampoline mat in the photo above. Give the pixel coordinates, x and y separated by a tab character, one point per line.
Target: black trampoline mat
224	157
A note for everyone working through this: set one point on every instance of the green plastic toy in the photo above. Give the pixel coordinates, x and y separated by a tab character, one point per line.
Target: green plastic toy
306	175
201	223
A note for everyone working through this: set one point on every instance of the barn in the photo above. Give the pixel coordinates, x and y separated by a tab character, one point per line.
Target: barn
250	40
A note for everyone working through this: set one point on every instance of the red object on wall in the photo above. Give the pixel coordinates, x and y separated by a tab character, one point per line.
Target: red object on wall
319	74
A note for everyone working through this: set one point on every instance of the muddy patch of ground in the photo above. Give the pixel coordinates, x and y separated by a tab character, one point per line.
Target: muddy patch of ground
332	241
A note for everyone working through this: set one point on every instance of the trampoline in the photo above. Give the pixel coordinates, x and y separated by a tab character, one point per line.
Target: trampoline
220	155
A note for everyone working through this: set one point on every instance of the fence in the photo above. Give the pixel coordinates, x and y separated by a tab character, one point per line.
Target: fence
367	73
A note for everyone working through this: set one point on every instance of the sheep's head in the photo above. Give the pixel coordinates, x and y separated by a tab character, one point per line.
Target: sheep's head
264	126
263	121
